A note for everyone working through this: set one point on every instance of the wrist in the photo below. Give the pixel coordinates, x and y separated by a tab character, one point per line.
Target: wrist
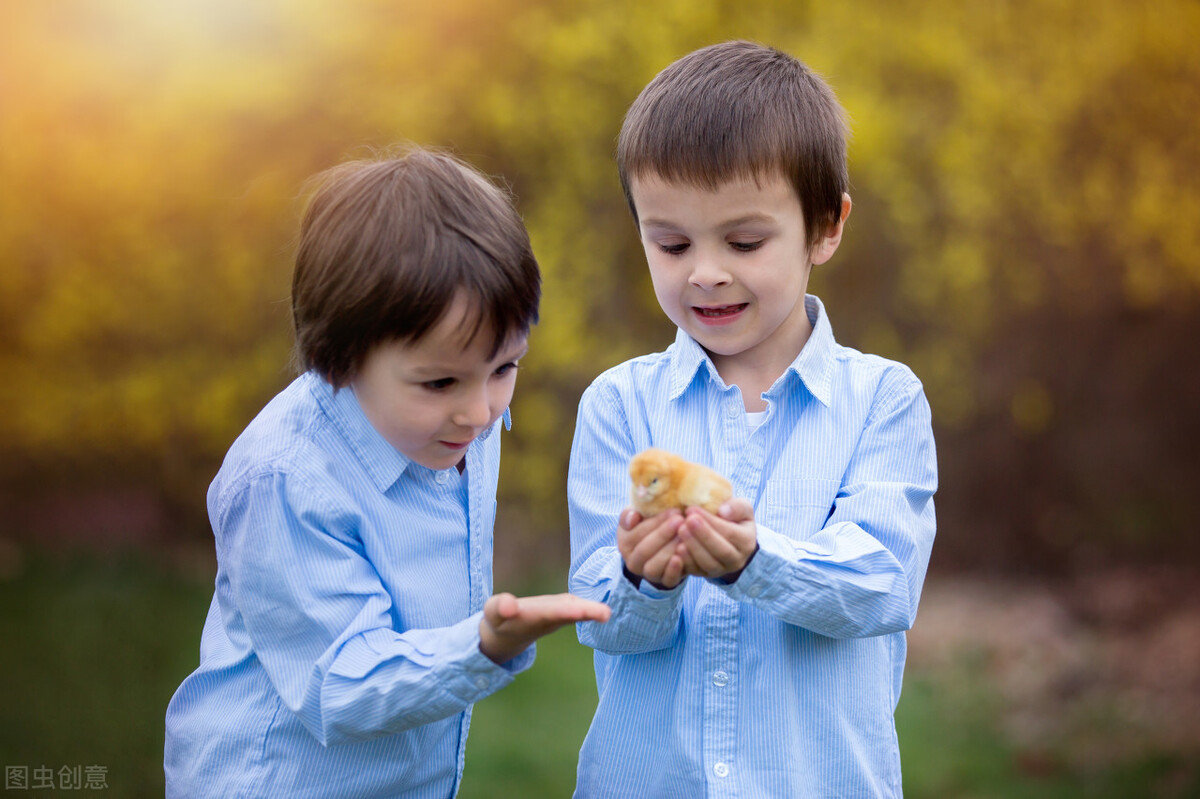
732	577
636	580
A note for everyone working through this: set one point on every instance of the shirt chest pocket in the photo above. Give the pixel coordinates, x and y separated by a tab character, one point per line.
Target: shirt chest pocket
797	508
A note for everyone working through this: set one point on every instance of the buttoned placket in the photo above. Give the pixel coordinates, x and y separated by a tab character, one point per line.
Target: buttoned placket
475	512
469	488
739	453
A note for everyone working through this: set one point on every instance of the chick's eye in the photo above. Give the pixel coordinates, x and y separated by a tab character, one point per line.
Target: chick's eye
654	481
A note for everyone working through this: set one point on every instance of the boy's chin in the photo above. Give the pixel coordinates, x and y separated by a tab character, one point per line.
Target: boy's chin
714	345
438	461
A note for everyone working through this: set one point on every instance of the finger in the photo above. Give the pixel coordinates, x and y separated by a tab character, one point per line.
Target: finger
737	509
569	608
541	614
729	542
704	562
500	607
644	528
656	564
673	573
630	518
689	563
659	536
596	611
710	548
580	609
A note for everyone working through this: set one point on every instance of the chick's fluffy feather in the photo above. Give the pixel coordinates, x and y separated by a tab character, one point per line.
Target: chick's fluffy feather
662	480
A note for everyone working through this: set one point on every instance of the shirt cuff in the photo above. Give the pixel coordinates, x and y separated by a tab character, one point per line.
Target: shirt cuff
470	674
761	577
646	587
642	602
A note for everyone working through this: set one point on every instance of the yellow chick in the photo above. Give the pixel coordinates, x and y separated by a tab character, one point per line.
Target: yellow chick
662	480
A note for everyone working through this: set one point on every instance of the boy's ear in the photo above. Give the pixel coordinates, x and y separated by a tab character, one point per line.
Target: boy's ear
824	249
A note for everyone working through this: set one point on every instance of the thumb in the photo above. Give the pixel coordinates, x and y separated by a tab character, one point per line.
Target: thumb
500	607
737	509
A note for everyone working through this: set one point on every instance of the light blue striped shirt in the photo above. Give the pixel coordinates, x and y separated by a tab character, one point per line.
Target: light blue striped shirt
340	657
784	683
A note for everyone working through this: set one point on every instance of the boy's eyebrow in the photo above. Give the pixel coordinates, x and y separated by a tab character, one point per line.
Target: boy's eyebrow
436	370
756	216
431	370
521	352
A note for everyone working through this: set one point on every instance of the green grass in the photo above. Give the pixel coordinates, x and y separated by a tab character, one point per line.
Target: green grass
952	747
525	739
94	648
93	651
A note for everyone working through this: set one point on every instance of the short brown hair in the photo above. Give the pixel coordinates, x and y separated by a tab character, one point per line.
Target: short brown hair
386	244
740	109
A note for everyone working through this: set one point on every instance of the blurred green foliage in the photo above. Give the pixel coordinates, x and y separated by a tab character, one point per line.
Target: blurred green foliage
1026	177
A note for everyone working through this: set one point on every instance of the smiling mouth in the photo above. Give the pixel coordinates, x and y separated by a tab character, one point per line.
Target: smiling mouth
719	311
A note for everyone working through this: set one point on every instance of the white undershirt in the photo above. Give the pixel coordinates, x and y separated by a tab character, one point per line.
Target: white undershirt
755	419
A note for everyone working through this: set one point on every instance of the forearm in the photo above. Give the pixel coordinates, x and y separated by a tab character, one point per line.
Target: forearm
381	682
844	583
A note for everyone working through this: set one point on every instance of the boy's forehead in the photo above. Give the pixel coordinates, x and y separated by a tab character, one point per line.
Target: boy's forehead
767	178
469	326
741	196
463	341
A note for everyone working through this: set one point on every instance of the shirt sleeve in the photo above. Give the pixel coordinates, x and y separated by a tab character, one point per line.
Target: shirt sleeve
861	574
320	621
643	618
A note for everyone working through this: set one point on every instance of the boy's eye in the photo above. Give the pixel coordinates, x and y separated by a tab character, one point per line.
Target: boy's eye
745	246
674	249
506	368
441	384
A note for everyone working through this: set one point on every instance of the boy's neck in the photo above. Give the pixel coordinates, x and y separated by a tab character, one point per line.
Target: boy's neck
755	371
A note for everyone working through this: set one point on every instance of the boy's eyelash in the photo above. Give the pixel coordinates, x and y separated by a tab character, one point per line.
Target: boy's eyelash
737	246
443	383
746	246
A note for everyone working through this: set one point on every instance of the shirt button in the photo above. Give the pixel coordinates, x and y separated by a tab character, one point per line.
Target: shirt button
732	410
720	679
721	770
481	683
754	590
443	477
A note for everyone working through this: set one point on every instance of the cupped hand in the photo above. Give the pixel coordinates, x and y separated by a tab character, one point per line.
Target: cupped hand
719	546
649	547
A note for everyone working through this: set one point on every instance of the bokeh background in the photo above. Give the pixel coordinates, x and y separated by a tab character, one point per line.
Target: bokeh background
1026	235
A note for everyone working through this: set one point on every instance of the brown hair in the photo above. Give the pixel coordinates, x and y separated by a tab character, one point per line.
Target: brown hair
385	246
740	109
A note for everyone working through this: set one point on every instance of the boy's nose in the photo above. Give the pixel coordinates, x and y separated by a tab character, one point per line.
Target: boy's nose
474	411
707	274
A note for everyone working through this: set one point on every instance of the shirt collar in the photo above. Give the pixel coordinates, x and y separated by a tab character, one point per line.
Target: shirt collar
687	359
383	462
813	366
